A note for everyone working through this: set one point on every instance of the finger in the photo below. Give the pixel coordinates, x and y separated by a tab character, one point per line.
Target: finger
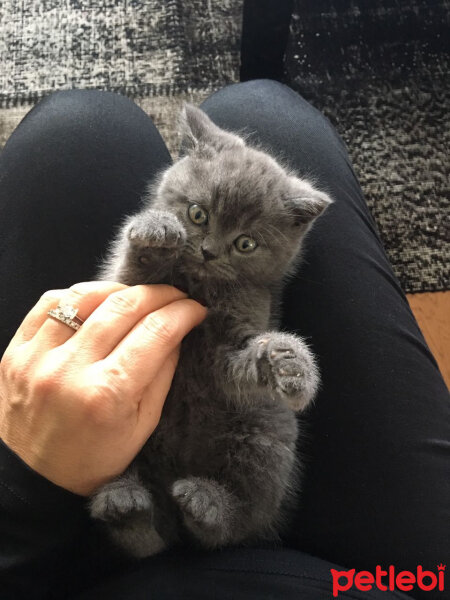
154	397
145	349
116	317
85	297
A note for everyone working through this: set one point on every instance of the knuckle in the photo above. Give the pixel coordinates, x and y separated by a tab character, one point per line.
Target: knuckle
96	395
15	367
51	296
76	292
161	328
46	382
82	288
116	377
122	303
99	402
48	376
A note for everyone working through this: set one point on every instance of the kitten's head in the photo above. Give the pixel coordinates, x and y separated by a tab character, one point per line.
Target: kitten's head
245	215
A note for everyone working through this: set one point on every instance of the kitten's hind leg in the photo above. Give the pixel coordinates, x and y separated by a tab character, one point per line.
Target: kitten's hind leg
127	511
207	509
136	537
122	496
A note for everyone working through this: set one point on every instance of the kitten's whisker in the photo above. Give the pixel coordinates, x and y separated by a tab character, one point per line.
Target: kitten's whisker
266	231
278	232
272	235
264	239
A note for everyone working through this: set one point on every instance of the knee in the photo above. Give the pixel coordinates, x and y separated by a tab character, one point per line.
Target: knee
79	120
255	89
70	101
258	97
261	87
272	113
84	110
82	106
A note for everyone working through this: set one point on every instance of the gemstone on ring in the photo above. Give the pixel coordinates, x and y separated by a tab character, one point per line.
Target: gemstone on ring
66	314
67	311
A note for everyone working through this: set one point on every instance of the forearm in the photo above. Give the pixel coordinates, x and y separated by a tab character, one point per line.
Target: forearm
233	367
132	266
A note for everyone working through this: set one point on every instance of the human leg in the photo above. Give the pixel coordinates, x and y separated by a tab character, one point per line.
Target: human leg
376	487
74	167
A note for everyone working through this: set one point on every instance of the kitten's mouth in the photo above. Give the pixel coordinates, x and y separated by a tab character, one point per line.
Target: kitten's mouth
194	284
198	270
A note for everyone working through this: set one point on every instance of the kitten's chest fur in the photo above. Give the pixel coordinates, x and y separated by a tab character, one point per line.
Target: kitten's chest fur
199	419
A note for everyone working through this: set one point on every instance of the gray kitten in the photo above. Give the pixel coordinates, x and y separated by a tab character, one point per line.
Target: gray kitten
224	223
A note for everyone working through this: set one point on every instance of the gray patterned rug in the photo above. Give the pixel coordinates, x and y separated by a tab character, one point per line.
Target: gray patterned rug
159	52
380	72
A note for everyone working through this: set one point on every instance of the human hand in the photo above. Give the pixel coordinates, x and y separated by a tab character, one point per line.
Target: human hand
77	406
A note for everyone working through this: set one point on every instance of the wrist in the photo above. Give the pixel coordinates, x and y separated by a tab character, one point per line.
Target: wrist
27	489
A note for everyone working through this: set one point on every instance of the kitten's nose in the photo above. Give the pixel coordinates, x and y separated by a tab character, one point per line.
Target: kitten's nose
207	254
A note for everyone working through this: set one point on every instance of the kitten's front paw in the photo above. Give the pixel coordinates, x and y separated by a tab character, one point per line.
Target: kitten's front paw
118	498
286	364
156	229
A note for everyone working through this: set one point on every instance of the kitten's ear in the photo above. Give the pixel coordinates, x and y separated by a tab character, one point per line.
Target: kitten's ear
198	130
305	202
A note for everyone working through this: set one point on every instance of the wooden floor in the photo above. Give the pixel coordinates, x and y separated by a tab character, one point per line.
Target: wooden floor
432	311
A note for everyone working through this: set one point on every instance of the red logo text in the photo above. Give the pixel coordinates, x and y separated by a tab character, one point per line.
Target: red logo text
388	580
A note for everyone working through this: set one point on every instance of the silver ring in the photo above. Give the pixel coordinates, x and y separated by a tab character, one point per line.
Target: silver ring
66	314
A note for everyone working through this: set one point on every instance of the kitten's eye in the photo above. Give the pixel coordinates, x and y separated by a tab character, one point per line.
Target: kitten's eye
197	214
245	243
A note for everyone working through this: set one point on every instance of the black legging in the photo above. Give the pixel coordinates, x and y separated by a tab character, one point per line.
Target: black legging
376	488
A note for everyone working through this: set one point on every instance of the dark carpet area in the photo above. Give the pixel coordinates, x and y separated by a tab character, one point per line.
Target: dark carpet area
380	72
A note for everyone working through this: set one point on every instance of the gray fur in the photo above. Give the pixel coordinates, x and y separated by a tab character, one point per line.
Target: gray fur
221	465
